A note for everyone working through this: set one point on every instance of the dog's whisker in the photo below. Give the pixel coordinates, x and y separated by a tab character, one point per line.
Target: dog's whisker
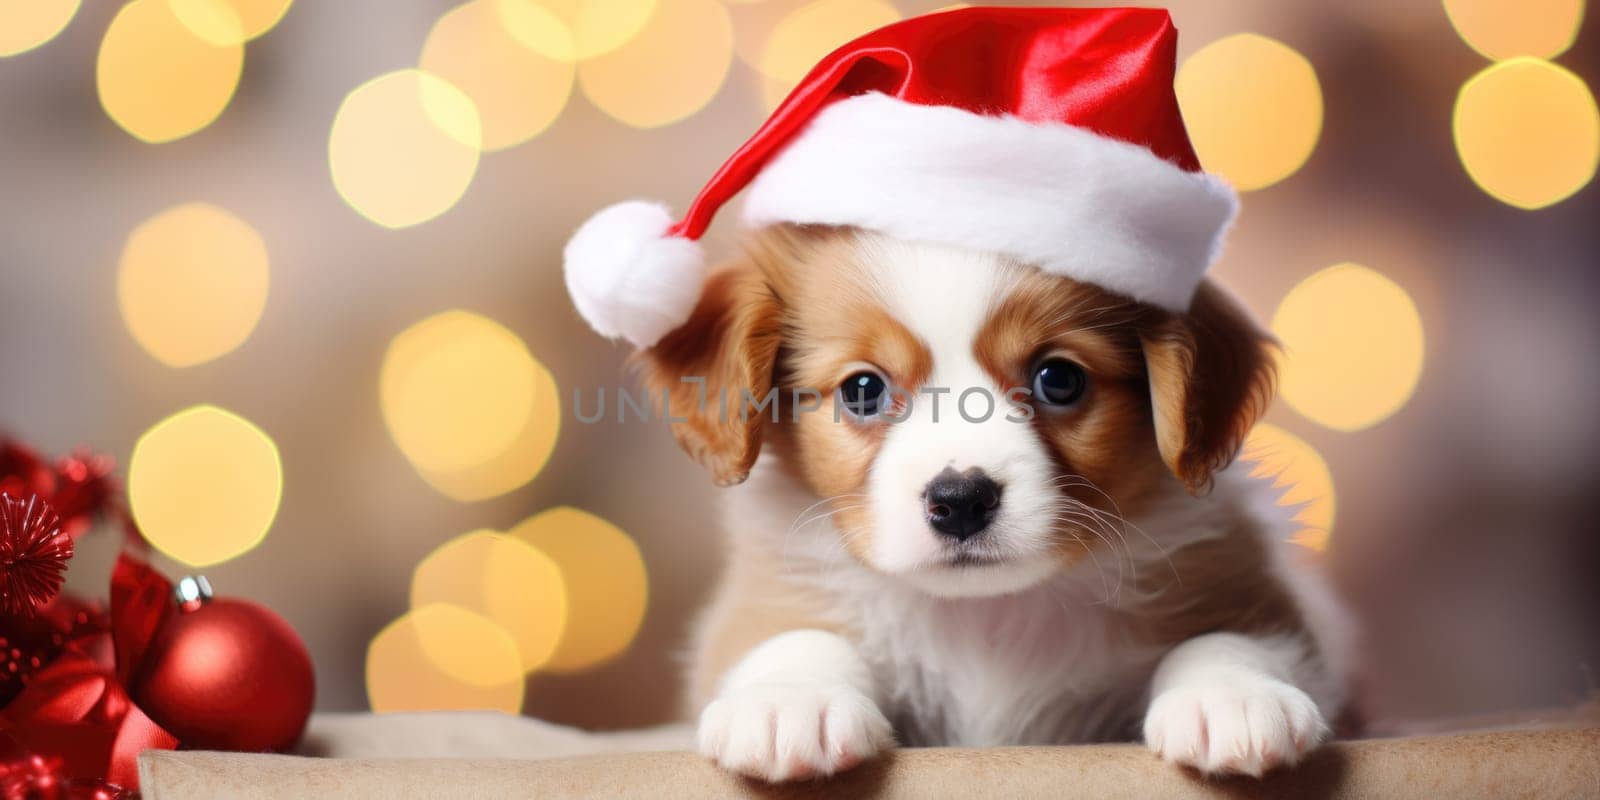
1106	521
1115	522
786	558
1078	481
1097	528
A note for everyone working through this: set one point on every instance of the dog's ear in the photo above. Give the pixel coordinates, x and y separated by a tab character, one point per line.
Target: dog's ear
704	368
1211	376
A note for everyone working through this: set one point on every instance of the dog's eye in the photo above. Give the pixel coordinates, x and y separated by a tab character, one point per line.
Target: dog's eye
863	394
1059	382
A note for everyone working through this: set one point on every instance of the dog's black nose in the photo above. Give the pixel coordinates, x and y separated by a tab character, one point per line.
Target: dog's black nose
961	504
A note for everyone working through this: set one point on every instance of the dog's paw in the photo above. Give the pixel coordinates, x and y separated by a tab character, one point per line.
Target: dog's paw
1239	724
792	731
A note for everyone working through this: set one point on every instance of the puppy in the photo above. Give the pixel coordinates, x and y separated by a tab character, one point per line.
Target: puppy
1075	565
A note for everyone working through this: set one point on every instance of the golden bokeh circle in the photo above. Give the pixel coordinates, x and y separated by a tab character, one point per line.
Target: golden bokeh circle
229	22
1300	475
474	664
1527	132
595	27
404	147
1500	29
753	23
468	405
27	24
502	579
657	78
157	79
517	88
810	32
1353	347
607	586
204	485
1253	108
192	283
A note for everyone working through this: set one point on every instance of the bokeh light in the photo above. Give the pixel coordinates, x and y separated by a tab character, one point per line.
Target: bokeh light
1300	475
468	405
229	22
1528	132
157	79
192	283
404	147
475	664
517	88
810	32
502	579
596	26
26	24
513	468
672	68
605	579
1353	347
204	485
753	23
1253	108
1506	28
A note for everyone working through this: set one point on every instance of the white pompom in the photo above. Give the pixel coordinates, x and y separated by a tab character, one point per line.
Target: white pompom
629	278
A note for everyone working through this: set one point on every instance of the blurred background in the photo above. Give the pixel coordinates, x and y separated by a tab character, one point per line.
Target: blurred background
296	265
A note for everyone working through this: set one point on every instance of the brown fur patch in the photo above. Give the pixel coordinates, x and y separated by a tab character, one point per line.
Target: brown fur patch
1211	378
731	341
1045	313
1106	439
1224	584
835	316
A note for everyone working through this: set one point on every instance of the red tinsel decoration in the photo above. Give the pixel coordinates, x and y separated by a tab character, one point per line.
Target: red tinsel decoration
84	488
29	777
38	778
26	645
22	472
33	554
79	487
30	644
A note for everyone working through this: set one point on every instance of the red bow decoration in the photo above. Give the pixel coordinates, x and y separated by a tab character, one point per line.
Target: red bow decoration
77	708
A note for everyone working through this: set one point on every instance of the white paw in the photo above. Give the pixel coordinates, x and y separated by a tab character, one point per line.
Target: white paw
792	731
1234	723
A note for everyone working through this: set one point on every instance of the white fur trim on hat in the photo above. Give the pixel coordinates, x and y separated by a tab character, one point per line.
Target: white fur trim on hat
1072	201
629	277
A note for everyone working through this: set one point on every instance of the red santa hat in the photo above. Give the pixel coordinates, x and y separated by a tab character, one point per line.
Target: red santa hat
1048	134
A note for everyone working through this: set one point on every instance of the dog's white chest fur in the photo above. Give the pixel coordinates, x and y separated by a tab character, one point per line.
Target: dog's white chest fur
1045	666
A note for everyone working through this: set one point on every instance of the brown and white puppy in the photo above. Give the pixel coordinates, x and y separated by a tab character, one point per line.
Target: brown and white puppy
1002	517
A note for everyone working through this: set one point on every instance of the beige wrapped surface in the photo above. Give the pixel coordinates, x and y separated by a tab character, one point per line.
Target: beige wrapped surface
1528	763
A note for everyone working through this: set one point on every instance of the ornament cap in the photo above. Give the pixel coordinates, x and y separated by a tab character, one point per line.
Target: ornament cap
192	592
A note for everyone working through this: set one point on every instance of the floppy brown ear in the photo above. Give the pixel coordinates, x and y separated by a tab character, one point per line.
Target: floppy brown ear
1211	377
731	342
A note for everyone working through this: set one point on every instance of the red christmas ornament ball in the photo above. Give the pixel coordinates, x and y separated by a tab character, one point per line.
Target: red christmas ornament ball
227	674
